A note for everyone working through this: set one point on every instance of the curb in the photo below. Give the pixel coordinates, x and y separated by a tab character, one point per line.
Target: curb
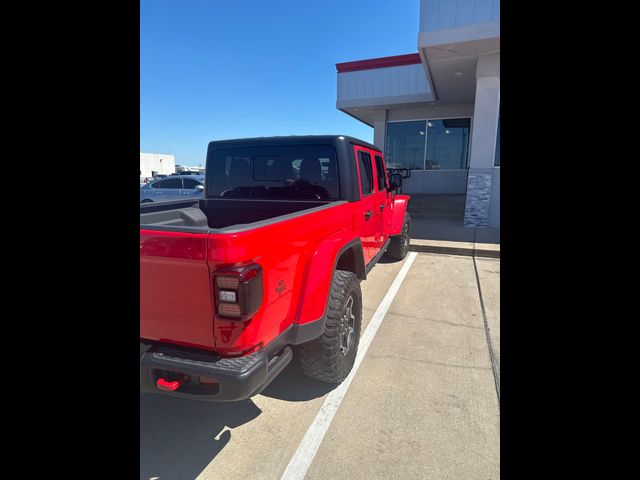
452	250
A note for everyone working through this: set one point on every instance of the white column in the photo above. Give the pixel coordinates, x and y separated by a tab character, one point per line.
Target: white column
379	128
483	141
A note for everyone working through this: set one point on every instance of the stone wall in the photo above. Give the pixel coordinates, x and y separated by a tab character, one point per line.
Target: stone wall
476	212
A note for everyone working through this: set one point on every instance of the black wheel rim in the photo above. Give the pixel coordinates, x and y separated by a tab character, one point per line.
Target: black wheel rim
406	237
347	327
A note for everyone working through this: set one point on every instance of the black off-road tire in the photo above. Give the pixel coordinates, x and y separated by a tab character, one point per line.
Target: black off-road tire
326	358
399	245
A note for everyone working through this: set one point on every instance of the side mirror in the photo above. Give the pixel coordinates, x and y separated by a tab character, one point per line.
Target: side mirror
200	188
395	181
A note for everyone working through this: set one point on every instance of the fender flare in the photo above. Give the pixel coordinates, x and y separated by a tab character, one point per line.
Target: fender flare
318	273
400	204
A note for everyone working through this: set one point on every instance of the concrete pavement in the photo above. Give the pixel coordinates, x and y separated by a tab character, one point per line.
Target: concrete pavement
422	405
437	227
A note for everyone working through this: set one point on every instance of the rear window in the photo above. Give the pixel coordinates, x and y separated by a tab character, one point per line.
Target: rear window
287	172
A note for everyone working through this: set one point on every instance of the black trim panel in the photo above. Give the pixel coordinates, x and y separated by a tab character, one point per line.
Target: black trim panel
239	378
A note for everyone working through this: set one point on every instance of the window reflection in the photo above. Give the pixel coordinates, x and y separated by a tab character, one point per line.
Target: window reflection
428	144
404	147
448	144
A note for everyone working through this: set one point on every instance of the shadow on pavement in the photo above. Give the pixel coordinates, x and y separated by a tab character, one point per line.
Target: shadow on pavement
384	260
179	437
293	385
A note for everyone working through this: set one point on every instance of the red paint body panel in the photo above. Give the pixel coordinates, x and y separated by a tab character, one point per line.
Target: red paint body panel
283	250
318	275
175	290
399	208
375	231
297	256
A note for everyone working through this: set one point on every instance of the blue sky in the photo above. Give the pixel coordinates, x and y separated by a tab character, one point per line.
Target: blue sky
216	69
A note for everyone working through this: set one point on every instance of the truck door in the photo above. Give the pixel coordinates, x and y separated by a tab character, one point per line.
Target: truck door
385	198
370	222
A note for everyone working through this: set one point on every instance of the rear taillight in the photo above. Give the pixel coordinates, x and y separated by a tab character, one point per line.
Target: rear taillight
238	291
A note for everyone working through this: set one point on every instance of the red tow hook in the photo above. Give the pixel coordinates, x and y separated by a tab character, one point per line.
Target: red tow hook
162	384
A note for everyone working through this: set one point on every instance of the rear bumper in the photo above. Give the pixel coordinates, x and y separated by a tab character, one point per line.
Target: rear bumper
237	378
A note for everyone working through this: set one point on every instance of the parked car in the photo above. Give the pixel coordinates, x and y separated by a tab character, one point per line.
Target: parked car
268	264
179	187
187	173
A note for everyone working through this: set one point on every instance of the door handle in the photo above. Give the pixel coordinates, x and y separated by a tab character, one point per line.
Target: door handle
382	207
367	214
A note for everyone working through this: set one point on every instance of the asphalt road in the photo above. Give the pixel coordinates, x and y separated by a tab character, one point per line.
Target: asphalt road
423	404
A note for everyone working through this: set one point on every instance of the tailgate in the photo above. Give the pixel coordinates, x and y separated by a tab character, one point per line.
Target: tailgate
175	288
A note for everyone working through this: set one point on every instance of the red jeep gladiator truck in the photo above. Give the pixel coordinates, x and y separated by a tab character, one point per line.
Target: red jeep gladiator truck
267	265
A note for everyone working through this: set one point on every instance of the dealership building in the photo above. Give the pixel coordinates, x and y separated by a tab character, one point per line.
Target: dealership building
437	111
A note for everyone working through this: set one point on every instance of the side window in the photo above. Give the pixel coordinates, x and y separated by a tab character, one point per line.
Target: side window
169	183
190	183
382	179
296	168
366	173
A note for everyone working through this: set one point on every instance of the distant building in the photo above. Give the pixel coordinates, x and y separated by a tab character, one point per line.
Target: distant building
156	164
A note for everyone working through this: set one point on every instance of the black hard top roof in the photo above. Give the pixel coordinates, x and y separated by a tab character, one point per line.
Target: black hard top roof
291	140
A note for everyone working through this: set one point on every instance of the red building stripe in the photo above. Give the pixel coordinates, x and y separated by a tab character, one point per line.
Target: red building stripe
382	62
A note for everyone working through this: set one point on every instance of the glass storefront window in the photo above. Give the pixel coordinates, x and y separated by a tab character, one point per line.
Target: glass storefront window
404	146
448	144
428	144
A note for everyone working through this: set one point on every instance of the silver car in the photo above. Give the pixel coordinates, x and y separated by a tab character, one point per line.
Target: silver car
176	187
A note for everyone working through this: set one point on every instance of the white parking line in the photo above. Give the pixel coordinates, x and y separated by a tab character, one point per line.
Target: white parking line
301	460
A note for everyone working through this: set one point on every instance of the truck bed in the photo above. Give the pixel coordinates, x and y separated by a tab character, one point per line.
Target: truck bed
221	215
182	244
